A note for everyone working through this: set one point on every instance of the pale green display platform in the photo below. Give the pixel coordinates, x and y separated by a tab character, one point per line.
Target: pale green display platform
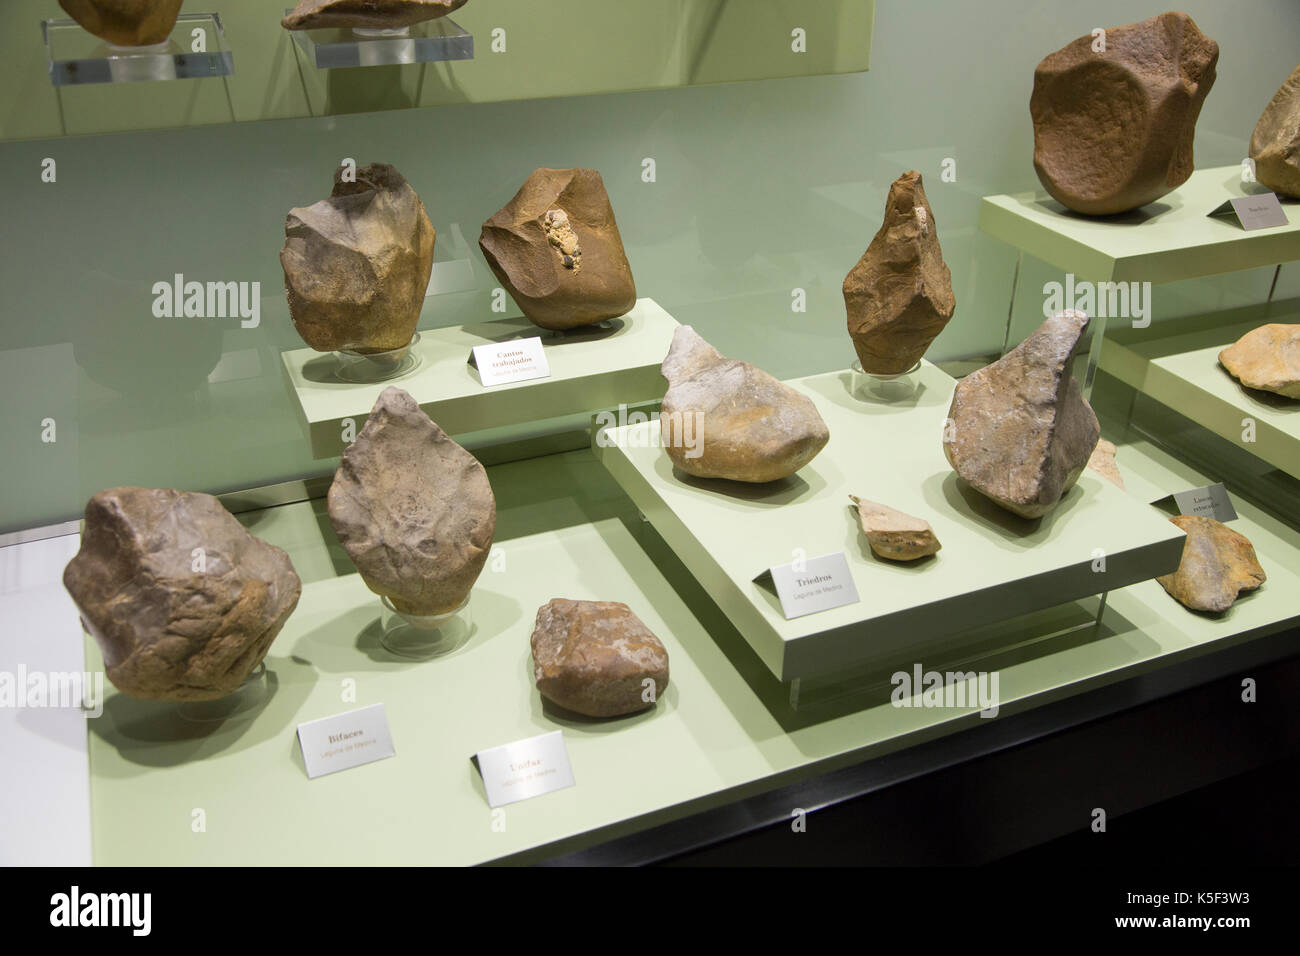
714	736
1177	364
1170	239
993	566
608	47
590	371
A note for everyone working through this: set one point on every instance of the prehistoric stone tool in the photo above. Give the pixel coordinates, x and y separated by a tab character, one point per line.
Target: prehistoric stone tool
183	602
741	422
597	658
1115	115
125	22
366	14
1217	565
893	534
357	265
1266	358
413	509
899	295
1019	431
1102	461
555	247
1275	144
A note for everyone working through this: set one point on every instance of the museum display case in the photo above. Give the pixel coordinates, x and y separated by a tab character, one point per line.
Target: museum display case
781	438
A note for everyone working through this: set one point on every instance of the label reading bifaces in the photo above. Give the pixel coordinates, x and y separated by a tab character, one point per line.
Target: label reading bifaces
345	740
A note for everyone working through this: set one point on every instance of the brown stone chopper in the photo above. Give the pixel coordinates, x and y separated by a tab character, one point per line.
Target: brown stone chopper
597	658
899	295
1275	144
357	264
125	22
1115	114
556	249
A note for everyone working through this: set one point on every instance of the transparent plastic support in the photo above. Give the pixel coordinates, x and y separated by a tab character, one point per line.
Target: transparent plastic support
369	367
429	42
242	703
77	57
884	389
423	638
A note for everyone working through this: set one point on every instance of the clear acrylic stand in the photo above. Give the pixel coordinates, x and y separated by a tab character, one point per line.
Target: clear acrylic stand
77	57
369	367
428	42
883	389
423	638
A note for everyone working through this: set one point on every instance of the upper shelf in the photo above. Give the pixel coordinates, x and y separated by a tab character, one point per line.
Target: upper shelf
590	370
1170	239
1177	363
600	47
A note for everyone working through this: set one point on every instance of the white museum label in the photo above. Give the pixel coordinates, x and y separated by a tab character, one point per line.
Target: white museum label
1212	501
345	740
1262	211
524	769
816	584
515	361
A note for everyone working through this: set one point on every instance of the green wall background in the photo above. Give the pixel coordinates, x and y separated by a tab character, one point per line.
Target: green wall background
762	187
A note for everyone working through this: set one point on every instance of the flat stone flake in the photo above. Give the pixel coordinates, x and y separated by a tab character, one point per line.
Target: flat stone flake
1266	358
366	14
895	535
1218	564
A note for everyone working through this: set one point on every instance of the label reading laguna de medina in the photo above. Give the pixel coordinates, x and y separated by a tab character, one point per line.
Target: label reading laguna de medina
515	361
345	740
818	584
525	768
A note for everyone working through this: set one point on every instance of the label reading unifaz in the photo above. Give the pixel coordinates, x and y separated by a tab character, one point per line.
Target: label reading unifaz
525	768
